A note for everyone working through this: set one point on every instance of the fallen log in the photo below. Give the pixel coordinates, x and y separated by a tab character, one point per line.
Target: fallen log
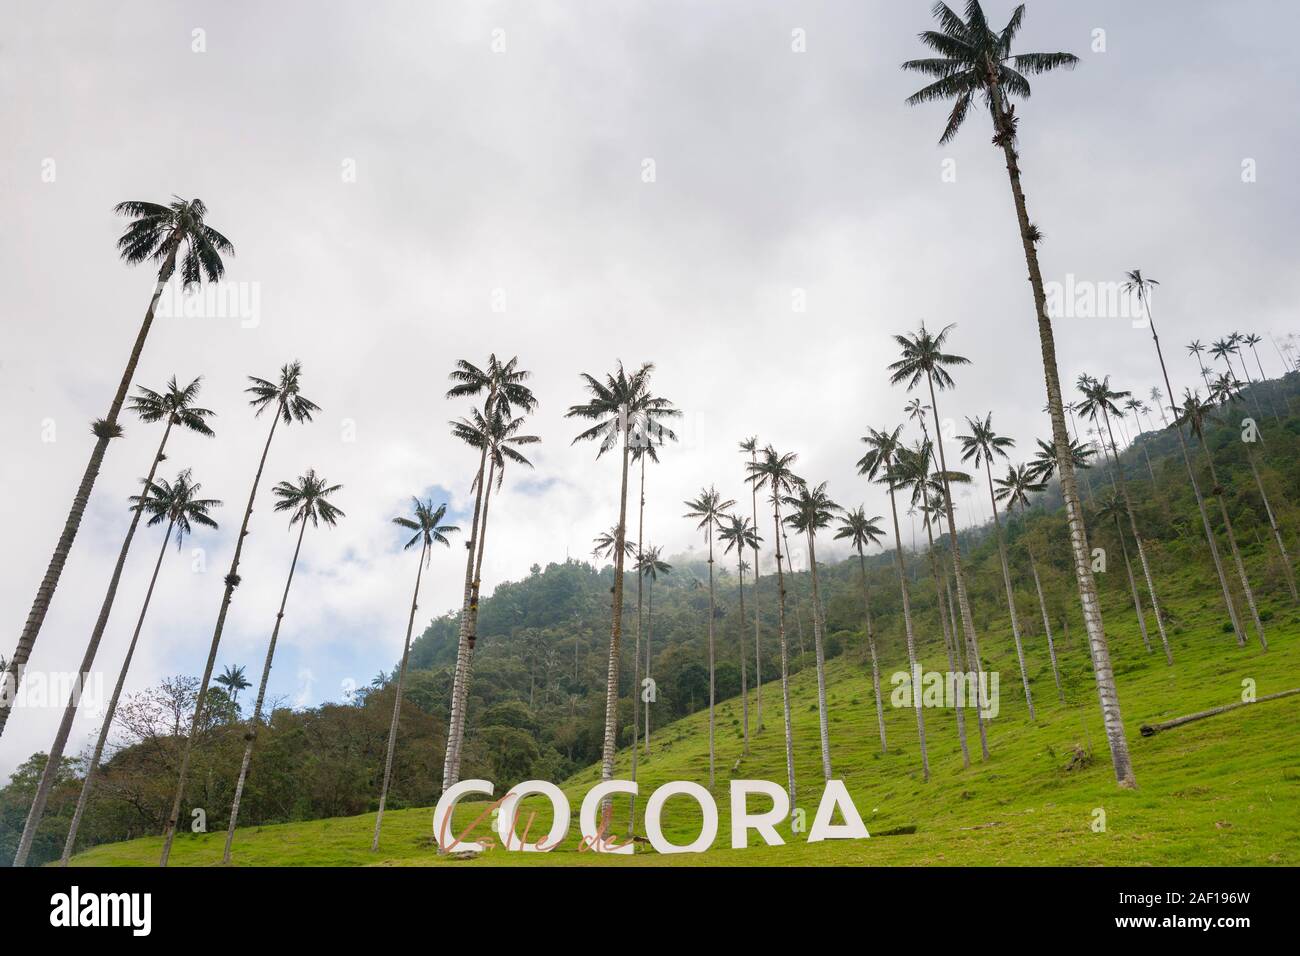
1150	730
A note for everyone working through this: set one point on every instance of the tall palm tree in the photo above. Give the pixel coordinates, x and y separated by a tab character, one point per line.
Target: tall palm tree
1015	489
1194	348
879	465
1136	406
622	408
737	533
156	234
1114	508
750	446
811	509
863	532
307	500
426	522
1232	346
974	59
234	681
1194	413
178	505
980	447
287	403
505	391
649	566
710	508
1143	286
923	358
177	406
605	542
1099	399
1158	397
500	434
1251	339
775	472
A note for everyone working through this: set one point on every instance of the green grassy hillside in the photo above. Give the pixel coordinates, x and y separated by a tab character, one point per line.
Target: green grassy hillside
1221	791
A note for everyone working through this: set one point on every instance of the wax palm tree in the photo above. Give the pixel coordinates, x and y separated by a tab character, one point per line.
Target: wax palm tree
1014	490
1251	339
879	465
750	447
234	681
1136	406
811	509
156	234
863	532
1194	413
775	472
924	359
912	468
1194	348
178	505
1136	282
287	404
974	59
307	501
649	566
503	385
178	406
499	434
737	533
980	447
426	522
1042	466
622	408
1099	399
605	542
709	508
1158	397
1234	342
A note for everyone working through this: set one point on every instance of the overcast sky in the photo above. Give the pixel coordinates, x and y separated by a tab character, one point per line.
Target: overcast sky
411	183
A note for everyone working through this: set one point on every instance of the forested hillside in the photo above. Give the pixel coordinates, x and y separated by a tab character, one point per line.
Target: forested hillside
536	704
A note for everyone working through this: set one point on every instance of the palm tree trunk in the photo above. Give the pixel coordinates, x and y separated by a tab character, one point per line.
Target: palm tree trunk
785	653
1132	584
55	760
1047	622
963	599
914	665
610	745
462	644
1011	595
649	636
89	783
744	675
1287	570
949	640
794	590
1141	550
1272	392
105	430
397	701
712	668
871	646
636	651
758	659
1107	694
251	735
820	658
467	661
232	581
1232	543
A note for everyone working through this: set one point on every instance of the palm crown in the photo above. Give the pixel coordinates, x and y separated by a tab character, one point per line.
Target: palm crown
923	356
623	410
812	508
1099	397
983	443
878	463
1043	466
504	383
976	59
709	508
284	395
427	526
175	404
606	541
176	503
738	532
308	499
158	232
649	565
774	471
499	433
861	531
1021	481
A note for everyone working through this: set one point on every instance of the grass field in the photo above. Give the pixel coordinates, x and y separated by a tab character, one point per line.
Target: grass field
1222	791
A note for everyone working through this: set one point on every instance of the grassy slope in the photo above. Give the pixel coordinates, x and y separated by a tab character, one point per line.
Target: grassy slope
1221	791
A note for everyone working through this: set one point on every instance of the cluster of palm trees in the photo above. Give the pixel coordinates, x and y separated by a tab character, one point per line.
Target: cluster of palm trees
971	59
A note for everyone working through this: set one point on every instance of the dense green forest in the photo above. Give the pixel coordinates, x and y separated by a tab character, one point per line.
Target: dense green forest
536	705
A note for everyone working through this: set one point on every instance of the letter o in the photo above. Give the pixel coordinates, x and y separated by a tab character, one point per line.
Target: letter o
655	805
559	825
